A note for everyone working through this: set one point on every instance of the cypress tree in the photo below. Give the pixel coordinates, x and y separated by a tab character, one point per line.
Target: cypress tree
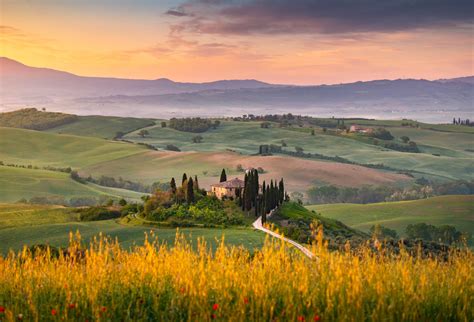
190	191
173	186
223	176
249	191
257	205
196	183
272	195
255	187
267	200
281	188
244	192
185	178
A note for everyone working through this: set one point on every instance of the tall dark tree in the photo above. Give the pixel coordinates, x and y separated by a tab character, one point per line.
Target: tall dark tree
281	188
173	187
244	192
190	191
223	176
196	183
267	199
185	178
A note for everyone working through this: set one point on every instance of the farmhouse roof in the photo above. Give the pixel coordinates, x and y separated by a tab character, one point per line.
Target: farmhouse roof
234	183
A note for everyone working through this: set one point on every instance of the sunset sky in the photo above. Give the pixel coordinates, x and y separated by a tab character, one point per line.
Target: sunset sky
278	41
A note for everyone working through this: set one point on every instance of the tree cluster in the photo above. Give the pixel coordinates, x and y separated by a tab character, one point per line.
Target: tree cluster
370	194
31	118
462	122
381	133
194	124
445	234
262	199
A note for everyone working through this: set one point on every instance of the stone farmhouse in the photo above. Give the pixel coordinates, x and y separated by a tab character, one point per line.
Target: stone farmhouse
360	129
227	189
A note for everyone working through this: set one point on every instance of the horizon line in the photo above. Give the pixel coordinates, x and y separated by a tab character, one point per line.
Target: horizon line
236	79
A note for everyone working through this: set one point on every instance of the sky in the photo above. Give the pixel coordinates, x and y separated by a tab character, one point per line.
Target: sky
277	41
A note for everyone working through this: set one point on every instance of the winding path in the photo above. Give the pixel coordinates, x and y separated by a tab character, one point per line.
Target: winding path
257	224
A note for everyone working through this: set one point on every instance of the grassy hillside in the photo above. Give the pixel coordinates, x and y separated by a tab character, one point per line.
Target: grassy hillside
32	224
102	126
31	118
444	210
295	222
299	174
26	215
18	183
454	161
42	149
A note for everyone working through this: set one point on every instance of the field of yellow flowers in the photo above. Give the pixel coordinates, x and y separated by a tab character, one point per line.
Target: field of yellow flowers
180	283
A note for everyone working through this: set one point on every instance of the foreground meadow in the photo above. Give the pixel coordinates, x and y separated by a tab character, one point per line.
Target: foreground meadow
155	282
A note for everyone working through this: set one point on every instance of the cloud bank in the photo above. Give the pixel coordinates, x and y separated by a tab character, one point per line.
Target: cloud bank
319	16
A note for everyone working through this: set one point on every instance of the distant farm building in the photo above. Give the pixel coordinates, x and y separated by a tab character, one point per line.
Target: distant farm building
227	189
360	129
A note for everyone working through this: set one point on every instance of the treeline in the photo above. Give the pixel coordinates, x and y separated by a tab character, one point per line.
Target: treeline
120	183
445	234
370	194
80	201
411	147
462	122
33	119
194	124
34	167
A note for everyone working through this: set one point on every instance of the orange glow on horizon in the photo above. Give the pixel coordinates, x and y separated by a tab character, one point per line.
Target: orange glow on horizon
141	46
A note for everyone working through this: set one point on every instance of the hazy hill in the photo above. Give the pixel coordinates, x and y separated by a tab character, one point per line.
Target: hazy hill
21	80
467	79
431	101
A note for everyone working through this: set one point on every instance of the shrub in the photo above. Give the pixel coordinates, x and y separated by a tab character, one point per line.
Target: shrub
172	147
98	213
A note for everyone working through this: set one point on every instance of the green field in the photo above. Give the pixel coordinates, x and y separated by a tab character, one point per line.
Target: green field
32	224
18	183
454	161
457	211
96	156
102	126
47	149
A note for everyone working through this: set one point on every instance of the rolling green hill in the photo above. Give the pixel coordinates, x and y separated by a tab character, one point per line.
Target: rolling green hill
295	221
457	211
454	162
47	149
32	224
102	126
31	118
18	183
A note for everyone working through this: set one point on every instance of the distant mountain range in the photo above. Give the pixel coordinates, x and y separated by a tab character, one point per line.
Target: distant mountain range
438	100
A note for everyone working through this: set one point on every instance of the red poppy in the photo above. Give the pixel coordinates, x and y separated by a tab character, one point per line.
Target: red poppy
103	309
213	316
71	306
316	318
301	318
246	300
182	289
215	307
2	309
54	312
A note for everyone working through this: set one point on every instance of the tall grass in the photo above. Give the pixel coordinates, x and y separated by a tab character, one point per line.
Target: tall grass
182	283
